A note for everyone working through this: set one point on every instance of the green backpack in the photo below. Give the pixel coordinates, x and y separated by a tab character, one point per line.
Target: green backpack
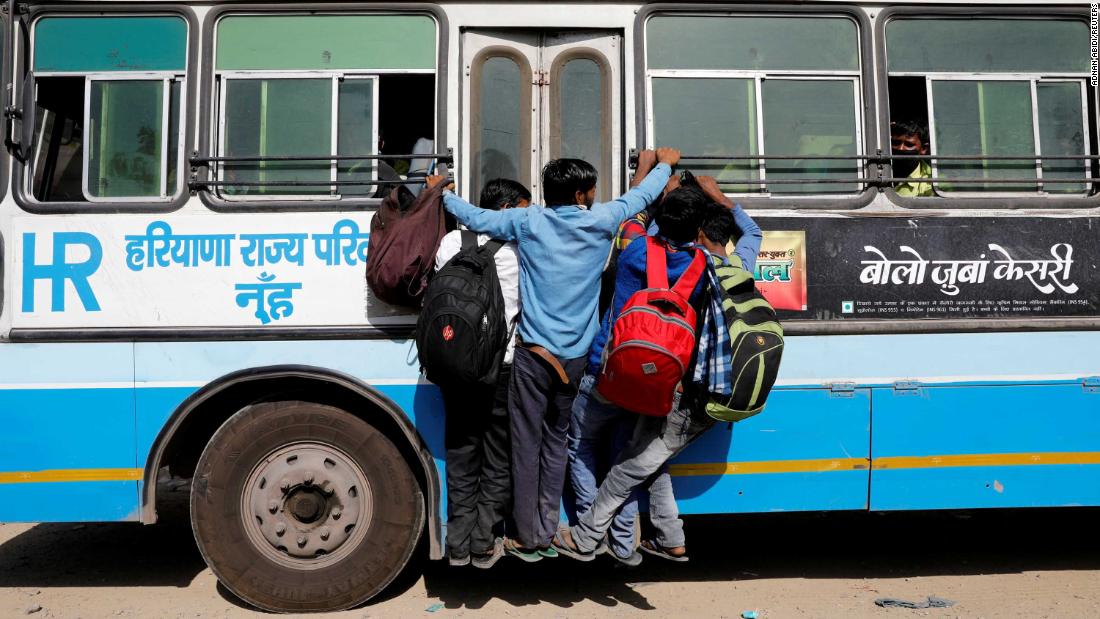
756	341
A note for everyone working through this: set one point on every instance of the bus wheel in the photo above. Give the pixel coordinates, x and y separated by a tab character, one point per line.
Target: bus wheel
304	507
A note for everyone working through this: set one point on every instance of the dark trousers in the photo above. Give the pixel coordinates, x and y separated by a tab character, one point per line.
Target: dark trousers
539	409
478	465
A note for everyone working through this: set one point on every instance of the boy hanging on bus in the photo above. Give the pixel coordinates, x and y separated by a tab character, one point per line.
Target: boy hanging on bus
561	248
595	420
479	484
656	440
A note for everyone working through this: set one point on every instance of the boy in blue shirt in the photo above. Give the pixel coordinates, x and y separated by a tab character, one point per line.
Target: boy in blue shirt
562	248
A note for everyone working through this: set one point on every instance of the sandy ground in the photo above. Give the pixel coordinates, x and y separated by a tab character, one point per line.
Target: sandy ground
1025	563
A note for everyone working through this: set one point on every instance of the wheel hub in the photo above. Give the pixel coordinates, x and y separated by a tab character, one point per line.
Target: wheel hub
306	505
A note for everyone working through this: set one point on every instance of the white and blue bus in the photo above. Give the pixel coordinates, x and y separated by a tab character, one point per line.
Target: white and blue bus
187	196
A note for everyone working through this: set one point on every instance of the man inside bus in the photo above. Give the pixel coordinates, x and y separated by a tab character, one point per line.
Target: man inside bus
644	461
910	137
479	483
561	250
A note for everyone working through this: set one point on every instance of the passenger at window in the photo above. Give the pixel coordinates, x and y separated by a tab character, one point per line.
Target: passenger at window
479	474
909	137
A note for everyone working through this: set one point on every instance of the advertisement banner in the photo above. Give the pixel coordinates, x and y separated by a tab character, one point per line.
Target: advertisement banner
943	267
781	269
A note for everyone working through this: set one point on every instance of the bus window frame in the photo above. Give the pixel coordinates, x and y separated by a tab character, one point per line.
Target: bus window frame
1032	80
477	66
165	78
606	134
866	126
208	141
188	90
1040	202
335	78
7	34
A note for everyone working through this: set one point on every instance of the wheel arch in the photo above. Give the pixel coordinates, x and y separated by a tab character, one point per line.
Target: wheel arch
194	421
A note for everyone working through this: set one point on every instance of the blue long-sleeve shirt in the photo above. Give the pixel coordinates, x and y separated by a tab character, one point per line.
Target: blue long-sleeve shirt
748	246
562	250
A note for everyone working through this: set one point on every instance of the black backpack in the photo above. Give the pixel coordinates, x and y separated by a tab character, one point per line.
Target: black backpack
462	333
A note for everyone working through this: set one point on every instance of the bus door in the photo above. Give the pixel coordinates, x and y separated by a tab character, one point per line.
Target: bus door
529	96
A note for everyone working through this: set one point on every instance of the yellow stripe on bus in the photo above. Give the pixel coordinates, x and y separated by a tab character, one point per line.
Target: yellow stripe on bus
887	463
55	475
1017	459
769	466
683	470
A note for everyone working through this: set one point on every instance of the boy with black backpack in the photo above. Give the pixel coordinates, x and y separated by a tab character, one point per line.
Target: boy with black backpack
466	337
657	439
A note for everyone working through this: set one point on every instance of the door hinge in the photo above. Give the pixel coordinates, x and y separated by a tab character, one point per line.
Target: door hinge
842	390
542	78
1091	384
907	387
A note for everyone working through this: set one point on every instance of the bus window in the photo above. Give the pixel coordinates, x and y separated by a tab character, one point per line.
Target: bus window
742	86
998	88
107	119
296	89
502	142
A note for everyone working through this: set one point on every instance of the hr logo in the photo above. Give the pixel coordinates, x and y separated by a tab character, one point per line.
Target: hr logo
65	245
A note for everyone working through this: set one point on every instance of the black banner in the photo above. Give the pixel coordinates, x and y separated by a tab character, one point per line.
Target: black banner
941	267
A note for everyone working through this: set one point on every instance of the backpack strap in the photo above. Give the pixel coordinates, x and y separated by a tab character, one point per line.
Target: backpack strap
656	265
690	277
469	238
493	245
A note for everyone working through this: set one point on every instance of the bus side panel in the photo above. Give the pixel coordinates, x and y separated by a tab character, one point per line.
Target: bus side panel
168	372
67	445
986	446
808	450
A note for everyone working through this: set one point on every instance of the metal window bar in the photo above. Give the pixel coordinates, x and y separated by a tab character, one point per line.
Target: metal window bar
325	183
447	157
196	160
884	181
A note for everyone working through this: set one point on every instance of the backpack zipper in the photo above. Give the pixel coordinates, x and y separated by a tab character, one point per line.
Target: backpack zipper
650	346
660	316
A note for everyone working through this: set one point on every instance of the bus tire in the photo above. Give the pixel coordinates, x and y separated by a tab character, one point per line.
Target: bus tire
297	506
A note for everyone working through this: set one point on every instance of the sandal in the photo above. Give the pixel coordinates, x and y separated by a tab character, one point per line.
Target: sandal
652	547
563	543
525	554
488	559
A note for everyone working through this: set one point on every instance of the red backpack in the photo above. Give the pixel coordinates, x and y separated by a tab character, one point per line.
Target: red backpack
652	339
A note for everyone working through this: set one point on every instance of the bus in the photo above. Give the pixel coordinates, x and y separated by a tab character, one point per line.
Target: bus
187	198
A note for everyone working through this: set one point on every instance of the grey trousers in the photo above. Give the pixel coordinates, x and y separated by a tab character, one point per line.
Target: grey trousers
643	462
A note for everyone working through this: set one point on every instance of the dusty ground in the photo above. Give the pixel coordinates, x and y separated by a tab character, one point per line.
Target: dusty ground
993	564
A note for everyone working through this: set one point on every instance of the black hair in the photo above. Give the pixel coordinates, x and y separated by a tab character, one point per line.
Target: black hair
910	127
718	224
563	178
681	213
501	191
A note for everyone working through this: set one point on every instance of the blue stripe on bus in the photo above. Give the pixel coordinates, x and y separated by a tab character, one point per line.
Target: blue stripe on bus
1052	485
92	362
55	419
89	501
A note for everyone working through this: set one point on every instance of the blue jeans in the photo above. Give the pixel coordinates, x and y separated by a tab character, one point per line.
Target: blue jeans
643	464
597	434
